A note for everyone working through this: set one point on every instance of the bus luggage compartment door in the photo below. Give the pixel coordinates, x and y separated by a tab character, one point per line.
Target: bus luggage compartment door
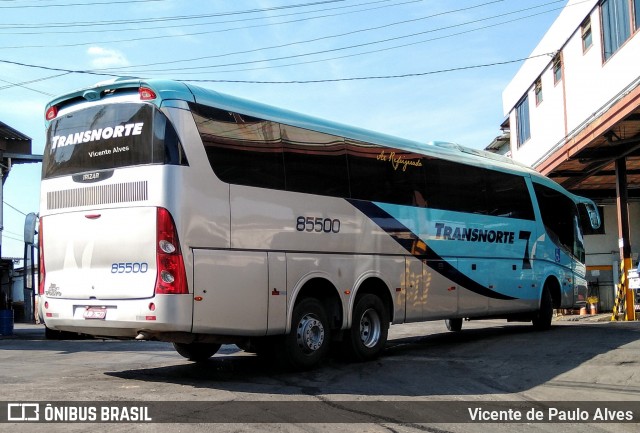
230	292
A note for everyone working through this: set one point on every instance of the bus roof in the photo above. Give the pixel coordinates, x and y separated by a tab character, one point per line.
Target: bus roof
168	90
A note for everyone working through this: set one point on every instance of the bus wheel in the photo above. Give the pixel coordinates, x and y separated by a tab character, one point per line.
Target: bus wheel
453	325
368	334
196	351
308	342
542	319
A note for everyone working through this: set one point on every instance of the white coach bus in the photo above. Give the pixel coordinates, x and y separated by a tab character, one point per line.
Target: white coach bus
176	213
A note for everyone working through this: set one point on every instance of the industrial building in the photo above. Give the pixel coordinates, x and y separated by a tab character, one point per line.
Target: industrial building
573	113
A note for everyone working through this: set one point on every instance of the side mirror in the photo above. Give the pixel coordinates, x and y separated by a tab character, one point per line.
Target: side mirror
30	223
594	215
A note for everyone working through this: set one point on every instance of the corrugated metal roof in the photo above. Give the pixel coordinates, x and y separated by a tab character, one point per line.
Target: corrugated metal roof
8	133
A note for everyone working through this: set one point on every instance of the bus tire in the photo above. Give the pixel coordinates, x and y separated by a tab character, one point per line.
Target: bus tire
308	342
454	325
367	337
197	352
542	319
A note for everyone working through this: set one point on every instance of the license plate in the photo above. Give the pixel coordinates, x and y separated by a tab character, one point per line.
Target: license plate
97	313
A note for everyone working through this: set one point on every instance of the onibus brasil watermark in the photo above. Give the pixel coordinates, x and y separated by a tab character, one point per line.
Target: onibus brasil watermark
317	411
48	412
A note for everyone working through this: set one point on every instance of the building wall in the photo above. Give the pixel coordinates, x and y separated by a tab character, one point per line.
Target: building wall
602	249
603	254
546	120
588	83
588	86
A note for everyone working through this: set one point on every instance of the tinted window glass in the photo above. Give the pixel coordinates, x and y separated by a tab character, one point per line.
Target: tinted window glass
248	151
166	141
508	196
465	188
456	187
241	150
110	136
560	218
386	175
315	163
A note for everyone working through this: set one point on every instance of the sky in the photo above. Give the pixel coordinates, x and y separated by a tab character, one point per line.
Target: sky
425	70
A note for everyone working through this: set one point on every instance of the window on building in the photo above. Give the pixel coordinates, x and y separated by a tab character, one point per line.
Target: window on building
587	37
522	120
538	91
557	68
616	24
636	15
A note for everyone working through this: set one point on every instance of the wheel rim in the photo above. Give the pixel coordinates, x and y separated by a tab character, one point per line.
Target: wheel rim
370	328
310	333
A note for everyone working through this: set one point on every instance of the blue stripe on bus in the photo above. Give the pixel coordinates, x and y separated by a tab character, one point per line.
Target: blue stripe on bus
409	241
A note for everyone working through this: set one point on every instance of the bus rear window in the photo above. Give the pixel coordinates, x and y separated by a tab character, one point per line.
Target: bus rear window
110	136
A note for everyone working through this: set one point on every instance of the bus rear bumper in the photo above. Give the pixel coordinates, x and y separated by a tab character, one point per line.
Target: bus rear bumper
120	318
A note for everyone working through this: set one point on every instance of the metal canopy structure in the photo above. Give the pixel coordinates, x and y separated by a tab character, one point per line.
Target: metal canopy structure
585	162
601	160
15	148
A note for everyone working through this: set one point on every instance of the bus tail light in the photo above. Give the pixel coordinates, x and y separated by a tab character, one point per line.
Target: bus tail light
172	278
41	270
146	94
51	113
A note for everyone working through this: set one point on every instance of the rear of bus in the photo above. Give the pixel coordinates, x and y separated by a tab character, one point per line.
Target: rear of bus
111	262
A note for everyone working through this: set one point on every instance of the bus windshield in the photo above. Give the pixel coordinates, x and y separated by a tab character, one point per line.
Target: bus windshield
110	136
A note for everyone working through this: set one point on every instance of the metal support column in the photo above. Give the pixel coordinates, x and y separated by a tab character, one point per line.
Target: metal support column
624	235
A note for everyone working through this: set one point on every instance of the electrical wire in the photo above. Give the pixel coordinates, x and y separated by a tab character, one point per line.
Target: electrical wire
254	50
15	208
131	70
24	83
181	71
374	77
7	237
40	28
331	80
171	36
165	19
79	4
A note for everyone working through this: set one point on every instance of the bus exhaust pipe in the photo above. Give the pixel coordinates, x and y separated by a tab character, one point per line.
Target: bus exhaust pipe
143	336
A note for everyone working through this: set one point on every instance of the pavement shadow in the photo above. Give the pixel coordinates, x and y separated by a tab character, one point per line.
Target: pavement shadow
503	359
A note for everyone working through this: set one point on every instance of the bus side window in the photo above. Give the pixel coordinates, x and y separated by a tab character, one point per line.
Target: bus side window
463	188
508	196
386	175
455	187
240	151
559	216
315	163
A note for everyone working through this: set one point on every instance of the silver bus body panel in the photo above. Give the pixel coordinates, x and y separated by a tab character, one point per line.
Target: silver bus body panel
124	318
105	254
248	257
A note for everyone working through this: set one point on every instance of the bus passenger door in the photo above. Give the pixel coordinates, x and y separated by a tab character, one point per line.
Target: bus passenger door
230	292
580	287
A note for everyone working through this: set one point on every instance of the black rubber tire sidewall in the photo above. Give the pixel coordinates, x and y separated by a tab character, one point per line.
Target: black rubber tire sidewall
293	356
454	325
542	320
197	352
354	348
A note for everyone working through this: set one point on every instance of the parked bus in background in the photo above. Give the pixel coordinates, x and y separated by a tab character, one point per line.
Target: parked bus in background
175	213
